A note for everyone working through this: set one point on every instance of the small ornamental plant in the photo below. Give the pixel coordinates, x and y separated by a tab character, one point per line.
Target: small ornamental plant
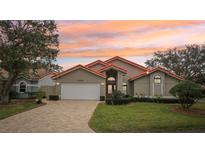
39	96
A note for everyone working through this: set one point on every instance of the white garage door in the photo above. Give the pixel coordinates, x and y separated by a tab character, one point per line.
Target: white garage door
80	91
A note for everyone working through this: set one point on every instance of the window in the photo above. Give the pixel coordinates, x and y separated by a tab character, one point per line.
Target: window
111	79
22	87
157	79
124	88
109	89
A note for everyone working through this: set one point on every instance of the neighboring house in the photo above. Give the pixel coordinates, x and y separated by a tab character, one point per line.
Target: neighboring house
101	78
26	86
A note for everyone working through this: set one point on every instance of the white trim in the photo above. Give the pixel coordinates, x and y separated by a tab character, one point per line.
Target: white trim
19	87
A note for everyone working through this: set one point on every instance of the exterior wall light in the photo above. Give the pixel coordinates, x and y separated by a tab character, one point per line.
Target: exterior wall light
57	83
102	83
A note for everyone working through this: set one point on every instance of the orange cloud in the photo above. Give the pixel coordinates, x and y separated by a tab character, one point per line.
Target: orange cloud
123	25
111	52
126	38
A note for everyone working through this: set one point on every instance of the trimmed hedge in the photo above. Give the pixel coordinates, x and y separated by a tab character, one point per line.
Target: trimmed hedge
127	100
156	100
16	95
118	101
53	97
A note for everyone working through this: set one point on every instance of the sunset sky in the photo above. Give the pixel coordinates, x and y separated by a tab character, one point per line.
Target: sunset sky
84	41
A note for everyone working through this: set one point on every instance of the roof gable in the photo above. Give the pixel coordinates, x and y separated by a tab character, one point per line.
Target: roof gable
126	61
154	70
114	67
96	63
75	68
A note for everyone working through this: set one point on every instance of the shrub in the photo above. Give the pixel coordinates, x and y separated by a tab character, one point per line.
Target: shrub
53	97
102	98
108	101
127	96
13	95
188	93
155	100
117	94
39	96
118	98
32	94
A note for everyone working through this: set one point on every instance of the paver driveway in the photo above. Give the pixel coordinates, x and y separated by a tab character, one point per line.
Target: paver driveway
58	116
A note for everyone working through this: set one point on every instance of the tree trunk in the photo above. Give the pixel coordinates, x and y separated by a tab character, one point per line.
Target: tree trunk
7	88
5	99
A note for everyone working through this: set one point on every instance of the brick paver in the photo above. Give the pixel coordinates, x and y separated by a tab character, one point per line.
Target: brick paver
59	116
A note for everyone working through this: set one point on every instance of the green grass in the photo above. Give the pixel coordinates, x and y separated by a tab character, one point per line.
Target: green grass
144	117
12	109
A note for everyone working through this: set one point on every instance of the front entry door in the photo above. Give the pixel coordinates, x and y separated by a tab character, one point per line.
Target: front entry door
110	89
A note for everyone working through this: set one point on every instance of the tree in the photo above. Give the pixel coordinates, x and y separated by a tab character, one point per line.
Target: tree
24	46
188	62
188	93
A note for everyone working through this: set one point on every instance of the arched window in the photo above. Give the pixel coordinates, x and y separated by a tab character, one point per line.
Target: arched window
111	79
22	87
157	79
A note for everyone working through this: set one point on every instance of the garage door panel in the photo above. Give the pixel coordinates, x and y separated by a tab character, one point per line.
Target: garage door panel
80	91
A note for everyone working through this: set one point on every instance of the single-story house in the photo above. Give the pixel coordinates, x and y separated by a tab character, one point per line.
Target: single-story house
101	78
25	86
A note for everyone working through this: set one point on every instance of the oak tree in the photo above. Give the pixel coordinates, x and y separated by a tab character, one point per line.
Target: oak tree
26	45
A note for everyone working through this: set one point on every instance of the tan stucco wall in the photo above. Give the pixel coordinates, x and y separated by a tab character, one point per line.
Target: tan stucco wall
81	76
123	78
170	82
49	90
119	80
131	70
96	67
131	88
147	87
142	86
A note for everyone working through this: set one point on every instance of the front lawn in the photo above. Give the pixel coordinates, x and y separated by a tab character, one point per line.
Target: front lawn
145	117
14	108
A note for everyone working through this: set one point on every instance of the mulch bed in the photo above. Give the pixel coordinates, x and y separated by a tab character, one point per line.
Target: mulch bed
190	111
